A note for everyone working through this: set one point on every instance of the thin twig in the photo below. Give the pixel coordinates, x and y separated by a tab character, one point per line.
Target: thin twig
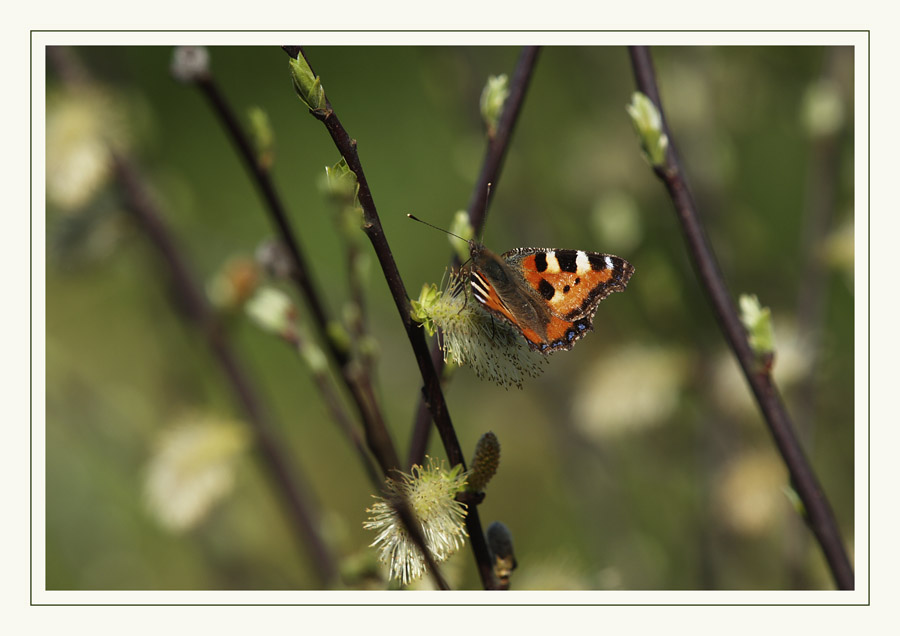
489	175
194	303
434	396
202	316
358	384
496	150
421	430
819	515
329	395
358	324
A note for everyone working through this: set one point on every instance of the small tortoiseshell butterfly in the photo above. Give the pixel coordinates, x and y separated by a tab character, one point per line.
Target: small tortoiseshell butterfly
549	295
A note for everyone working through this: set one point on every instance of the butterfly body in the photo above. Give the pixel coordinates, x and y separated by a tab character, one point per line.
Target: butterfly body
549	295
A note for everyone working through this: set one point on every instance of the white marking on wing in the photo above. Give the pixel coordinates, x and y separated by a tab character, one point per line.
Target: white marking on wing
552	263
480	287
582	264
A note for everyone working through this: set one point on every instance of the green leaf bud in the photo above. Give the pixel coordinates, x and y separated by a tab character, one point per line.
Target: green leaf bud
272	310
758	322
647	124
493	96
462	227
263	137
423	306
307	85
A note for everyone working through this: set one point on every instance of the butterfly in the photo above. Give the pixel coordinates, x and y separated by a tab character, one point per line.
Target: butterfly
549	295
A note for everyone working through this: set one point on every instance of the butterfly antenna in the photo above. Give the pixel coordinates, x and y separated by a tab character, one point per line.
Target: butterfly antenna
487	200
415	218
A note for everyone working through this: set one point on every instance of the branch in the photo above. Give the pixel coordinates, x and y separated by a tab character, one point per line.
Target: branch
478	204
358	384
433	394
819	515
200	313
332	401
139	202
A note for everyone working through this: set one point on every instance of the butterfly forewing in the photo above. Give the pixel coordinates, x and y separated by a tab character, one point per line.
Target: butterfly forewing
572	282
549	295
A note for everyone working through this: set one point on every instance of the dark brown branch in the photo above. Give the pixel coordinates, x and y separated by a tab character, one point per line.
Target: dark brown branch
421	431
434	396
478	204
358	384
194	303
496	150
819	515
201	314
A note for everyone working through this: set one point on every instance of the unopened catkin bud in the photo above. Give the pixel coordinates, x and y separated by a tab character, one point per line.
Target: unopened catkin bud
500	543
485	462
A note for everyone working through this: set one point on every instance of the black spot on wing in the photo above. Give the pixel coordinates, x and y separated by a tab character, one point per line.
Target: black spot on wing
546	289
567	260
597	261
540	261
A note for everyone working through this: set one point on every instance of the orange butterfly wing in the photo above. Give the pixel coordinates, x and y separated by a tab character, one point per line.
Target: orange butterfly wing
572	282
553	293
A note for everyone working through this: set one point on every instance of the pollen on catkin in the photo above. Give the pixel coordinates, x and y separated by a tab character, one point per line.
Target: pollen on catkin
470	336
431	492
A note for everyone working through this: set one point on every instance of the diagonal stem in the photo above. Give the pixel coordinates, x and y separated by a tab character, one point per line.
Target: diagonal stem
329	394
358	384
434	396
140	203
818	510
202	316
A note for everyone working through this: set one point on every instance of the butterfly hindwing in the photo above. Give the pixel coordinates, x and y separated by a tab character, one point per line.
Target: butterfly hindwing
548	334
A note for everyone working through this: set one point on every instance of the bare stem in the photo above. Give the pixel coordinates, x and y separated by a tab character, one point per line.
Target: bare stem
819	515
203	317
194	303
329	395
358	384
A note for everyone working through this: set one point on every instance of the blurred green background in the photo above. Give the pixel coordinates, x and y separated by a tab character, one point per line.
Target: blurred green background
637	461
